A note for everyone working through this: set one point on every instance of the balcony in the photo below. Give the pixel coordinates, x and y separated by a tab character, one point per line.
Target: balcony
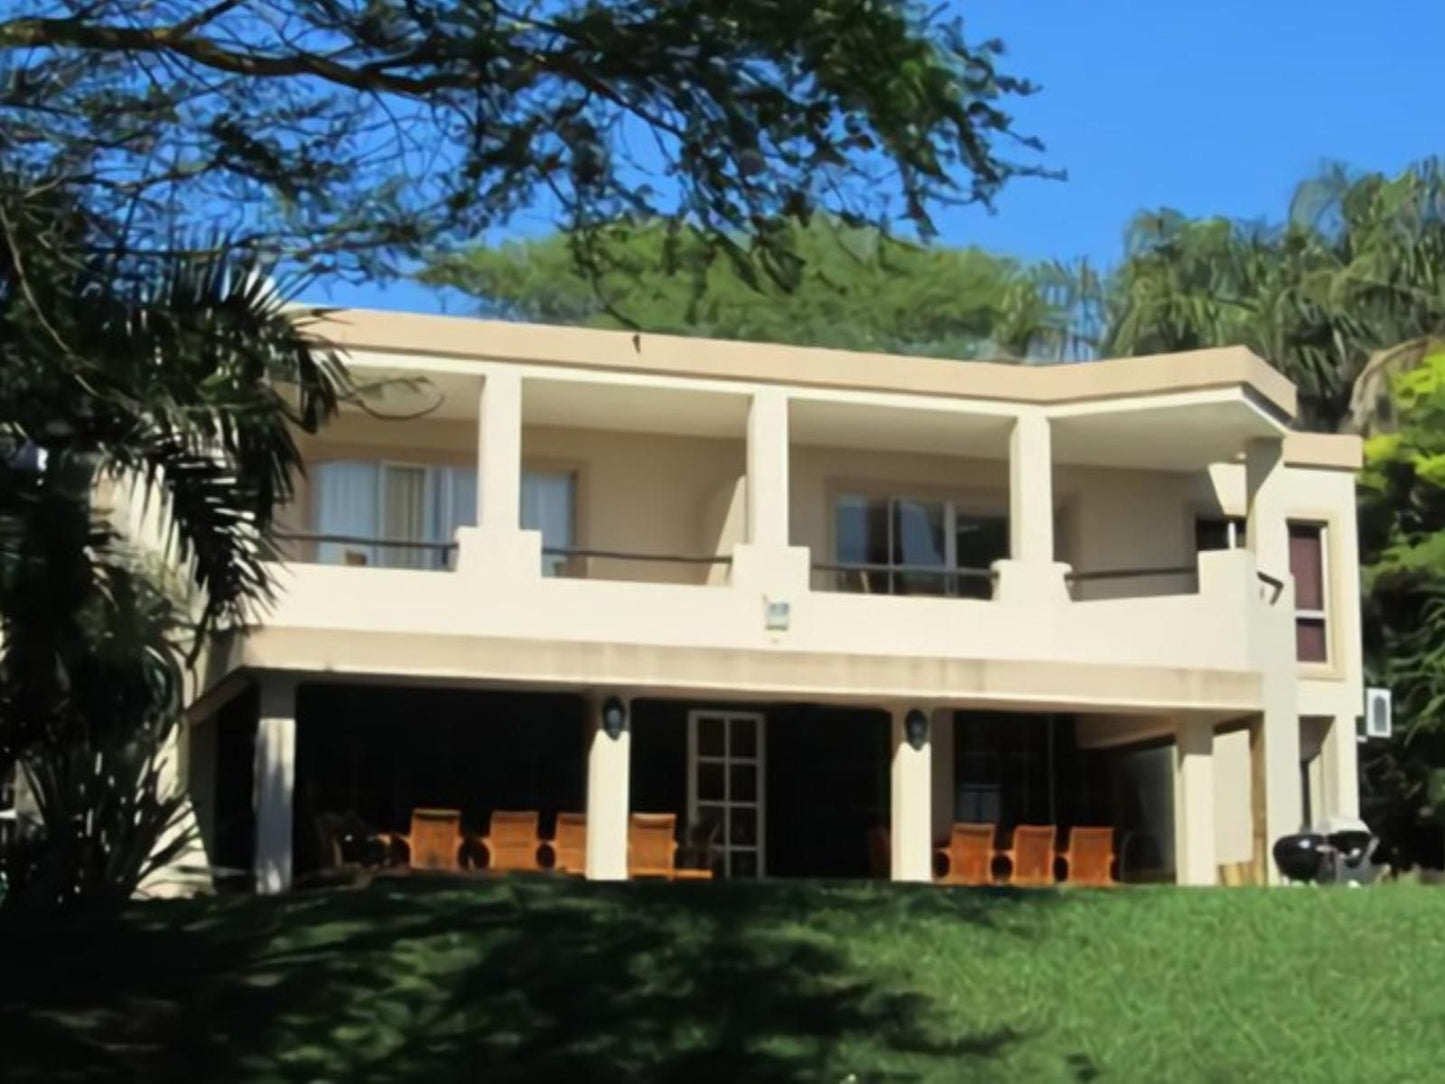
595	519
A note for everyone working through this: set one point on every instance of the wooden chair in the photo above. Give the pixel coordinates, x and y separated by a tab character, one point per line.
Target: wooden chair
968	858
1090	857
435	840
1031	857
511	842
569	844
694	861
652	845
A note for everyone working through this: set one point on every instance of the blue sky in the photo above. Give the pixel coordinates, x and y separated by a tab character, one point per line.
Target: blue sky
1210	108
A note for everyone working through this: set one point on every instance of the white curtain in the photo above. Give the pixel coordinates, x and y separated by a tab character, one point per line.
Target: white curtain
547	507
347	504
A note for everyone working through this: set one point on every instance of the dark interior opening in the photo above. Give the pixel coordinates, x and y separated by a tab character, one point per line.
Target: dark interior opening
376	753
234	827
825	781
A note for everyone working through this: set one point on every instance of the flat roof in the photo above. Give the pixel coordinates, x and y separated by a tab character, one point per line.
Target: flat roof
421	335
806	366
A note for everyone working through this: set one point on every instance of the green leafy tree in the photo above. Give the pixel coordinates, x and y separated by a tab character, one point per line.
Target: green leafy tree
1353	281
346	132
1402	551
853	288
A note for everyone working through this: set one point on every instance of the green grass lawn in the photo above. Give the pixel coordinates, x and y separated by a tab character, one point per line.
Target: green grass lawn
551	980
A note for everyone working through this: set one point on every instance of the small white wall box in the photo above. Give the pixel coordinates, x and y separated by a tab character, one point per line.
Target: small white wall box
777	614
1379	713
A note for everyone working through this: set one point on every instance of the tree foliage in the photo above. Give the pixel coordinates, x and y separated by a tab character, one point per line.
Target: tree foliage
855	288
1402	552
343	132
182	380
1353	279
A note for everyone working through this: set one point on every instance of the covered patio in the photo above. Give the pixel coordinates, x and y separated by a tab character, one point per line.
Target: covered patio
682	787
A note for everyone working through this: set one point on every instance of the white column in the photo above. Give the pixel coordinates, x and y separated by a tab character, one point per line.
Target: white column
1195	861
499	452
608	786
275	782
1268	533
911	831
1341	768
768	469
1031	491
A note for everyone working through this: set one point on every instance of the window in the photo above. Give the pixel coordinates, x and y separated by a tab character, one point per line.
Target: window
548	498
373	511
1307	565
1218	533
907	546
725	788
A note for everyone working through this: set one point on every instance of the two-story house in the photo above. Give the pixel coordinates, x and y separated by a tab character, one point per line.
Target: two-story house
799	595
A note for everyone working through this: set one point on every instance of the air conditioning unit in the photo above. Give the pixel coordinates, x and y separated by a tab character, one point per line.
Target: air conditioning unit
1378	713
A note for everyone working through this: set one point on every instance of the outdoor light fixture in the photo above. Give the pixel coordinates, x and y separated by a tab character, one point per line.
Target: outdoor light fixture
915	728
614	717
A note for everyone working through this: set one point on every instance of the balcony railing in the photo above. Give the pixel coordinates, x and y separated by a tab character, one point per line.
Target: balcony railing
357	550
866	578
584	563
1134	582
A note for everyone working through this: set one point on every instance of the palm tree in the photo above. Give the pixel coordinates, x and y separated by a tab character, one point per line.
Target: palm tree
1352	282
182	375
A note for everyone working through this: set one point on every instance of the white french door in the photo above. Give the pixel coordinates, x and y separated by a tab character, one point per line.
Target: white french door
725	788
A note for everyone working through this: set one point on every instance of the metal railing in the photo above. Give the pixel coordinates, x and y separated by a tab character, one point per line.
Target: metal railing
358	550
877	578
1114	575
574	562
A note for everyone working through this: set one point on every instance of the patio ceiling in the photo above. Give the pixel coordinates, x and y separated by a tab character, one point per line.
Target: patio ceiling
1186	434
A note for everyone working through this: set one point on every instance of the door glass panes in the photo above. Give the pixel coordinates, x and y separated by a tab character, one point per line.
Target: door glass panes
547	506
861	529
919	542
979	541
403	516
725	789
903	540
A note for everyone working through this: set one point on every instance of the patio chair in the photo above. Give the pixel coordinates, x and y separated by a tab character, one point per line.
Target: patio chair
880	854
651	845
568	844
968	858
1031	857
695	860
434	842
1090	857
511	842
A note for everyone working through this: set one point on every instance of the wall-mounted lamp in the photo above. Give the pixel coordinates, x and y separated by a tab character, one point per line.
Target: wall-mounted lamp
915	728
614	717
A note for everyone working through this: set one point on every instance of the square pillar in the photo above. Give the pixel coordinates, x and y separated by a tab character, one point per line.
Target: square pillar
1341	768
608	793
499	452
1267	529
274	786
911	799
1031	491
1030	576
1195	861
767	489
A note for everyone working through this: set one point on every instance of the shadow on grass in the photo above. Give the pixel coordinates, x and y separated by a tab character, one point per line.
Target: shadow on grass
519	980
